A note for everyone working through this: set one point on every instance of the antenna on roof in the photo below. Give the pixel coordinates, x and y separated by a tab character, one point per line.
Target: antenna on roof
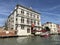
11	11
30	7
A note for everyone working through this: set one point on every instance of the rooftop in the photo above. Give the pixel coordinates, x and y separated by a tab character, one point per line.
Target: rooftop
27	8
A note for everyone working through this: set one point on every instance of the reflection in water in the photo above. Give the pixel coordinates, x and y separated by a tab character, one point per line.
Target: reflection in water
8	41
22	40
53	40
26	40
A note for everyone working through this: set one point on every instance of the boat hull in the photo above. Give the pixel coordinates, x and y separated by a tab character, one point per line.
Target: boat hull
45	34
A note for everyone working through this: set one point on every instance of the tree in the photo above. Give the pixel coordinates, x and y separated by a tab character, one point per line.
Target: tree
6	28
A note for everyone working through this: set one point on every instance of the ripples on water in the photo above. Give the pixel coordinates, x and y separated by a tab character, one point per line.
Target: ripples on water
36	40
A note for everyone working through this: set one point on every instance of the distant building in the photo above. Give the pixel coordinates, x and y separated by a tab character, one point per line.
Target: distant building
22	18
2	28
52	26
58	26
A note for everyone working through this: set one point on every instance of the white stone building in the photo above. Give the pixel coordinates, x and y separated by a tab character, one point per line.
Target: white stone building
52	26
22	18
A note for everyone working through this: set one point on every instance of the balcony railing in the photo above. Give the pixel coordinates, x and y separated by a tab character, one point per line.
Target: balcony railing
25	16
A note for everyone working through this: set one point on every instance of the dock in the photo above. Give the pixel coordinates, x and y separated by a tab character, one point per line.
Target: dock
7	34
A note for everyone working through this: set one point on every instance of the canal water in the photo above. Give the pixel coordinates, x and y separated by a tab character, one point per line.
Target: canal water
35	40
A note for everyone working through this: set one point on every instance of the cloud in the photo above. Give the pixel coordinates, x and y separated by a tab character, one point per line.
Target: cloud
4	10
51	14
52	8
55	7
51	17
2	21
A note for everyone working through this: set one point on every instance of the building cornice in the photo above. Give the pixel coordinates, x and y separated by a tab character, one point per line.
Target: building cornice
28	8
23	7
29	25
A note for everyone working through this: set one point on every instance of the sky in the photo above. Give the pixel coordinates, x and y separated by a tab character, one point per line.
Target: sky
49	9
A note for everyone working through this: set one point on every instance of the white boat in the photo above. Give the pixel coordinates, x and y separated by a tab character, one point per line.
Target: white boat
44	34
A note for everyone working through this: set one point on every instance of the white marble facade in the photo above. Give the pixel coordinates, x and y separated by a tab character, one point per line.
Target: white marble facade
22	18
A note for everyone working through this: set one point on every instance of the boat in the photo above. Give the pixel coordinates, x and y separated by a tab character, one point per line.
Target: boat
45	34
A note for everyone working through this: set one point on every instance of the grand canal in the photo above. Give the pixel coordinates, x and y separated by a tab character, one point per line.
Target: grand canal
36	40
